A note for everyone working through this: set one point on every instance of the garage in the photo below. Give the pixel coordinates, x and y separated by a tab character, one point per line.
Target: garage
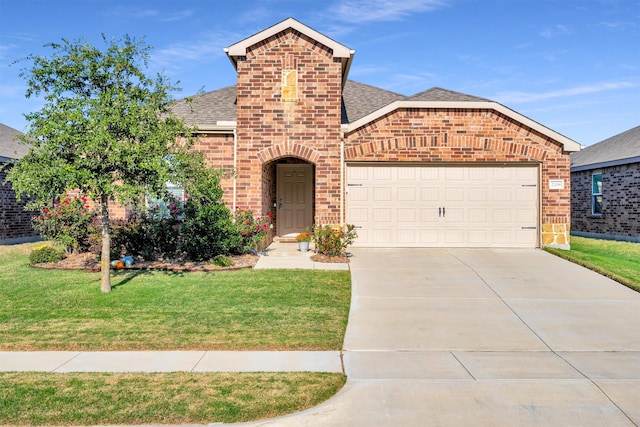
443	206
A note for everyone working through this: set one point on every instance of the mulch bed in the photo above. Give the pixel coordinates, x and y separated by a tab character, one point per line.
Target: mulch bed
329	259
89	262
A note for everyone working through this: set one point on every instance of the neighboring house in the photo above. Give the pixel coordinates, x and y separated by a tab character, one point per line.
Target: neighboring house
605	188
15	222
436	169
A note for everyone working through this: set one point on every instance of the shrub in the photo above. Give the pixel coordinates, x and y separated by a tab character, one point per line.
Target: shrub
67	222
46	253
208	231
252	230
222	261
127	237
333	240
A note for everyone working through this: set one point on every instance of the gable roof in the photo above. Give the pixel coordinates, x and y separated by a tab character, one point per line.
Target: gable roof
238	50
207	110
620	149
10	148
360	100
361	104
439	94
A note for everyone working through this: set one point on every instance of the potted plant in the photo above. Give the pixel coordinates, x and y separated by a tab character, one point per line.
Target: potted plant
303	240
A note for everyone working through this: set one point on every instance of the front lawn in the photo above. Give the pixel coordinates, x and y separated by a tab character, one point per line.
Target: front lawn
33	398
226	310
618	260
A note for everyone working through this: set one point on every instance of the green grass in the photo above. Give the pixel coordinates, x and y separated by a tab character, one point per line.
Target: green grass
619	261
173	398
225	310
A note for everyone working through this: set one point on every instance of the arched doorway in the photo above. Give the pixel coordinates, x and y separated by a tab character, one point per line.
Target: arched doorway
291	195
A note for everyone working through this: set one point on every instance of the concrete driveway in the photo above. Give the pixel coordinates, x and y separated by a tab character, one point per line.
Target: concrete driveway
484	337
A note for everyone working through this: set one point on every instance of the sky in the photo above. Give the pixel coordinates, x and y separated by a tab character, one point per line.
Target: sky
571	65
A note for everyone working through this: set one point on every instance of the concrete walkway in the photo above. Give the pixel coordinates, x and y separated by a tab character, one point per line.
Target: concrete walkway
287	255
484	337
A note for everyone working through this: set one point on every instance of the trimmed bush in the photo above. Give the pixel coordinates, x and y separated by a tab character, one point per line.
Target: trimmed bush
46	253
222	261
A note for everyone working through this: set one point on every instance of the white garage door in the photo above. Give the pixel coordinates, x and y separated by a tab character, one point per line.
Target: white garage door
450	206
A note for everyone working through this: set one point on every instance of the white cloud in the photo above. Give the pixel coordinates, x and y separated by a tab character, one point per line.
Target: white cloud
177	16
524	97
362	11
207	46
555	31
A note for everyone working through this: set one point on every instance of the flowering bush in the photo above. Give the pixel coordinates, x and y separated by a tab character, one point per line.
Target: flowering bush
252	230
333	240
65	221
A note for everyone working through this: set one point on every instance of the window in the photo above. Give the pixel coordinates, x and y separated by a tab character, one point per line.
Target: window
596	194
174	204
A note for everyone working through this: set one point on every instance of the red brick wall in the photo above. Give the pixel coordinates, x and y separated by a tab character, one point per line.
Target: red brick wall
620	202
270	128
218	152
460	136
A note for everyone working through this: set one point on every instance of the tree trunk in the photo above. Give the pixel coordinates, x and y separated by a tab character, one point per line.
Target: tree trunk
105	264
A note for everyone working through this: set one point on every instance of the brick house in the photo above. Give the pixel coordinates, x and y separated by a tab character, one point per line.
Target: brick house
439	168
15	222
605	188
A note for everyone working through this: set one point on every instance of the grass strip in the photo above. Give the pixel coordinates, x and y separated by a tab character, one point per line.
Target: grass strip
619	261
162	398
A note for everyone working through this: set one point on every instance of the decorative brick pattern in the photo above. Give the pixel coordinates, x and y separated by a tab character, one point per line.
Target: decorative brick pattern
620	202
270	129
469	136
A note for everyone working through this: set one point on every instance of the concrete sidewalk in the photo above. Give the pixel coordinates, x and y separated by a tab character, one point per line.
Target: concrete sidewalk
172	361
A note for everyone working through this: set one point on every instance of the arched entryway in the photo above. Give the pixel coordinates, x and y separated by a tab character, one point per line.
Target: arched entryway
289	183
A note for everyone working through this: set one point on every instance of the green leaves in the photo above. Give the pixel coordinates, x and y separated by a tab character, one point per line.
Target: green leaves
104	127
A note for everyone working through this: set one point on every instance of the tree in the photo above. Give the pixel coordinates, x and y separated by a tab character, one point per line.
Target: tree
105	128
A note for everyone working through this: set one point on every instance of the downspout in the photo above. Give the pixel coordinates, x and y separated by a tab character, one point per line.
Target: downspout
342	218
235	168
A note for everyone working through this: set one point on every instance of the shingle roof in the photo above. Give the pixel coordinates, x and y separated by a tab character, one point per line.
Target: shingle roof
619	149
359	100
208	108
9	146
439	94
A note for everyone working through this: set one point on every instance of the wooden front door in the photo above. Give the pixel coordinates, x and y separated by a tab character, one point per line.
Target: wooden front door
294	198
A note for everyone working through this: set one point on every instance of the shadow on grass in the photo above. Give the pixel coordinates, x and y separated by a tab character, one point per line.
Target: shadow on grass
129	275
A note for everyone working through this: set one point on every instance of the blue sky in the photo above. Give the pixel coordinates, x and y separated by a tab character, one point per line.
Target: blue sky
571	65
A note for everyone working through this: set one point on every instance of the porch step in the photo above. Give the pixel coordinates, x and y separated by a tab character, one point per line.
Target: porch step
284	239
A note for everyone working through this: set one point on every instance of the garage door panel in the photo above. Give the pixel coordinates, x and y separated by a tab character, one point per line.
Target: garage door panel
407	215
429	194
482	206
382	215
407	194
429	215
381	194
